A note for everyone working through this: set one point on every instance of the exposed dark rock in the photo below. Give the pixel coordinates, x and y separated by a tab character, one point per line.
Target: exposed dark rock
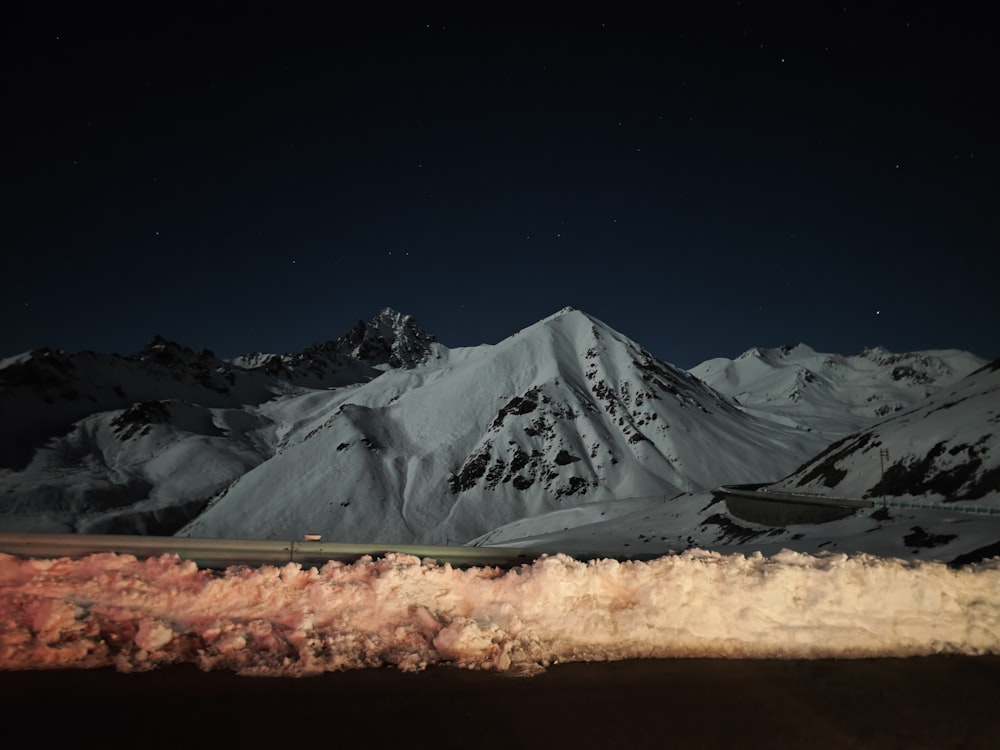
922	476
522	483
388	338
824	466
730	530
906	372
977	555
519	461
918	537
471	472
564	457
517	405
138	416
495	474
576	486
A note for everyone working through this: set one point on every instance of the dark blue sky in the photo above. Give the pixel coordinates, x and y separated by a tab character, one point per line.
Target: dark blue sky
703	181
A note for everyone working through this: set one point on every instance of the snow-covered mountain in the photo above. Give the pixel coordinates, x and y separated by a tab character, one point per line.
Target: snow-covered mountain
563	412
44	392
945	450
389	340
835	394
941	460
386	435
109	443
383	434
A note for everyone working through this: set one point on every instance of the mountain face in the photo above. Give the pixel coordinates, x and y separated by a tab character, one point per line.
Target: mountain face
389	340
835	394
563	412
44	393
944	450
140	443
416	442
386	435
941	482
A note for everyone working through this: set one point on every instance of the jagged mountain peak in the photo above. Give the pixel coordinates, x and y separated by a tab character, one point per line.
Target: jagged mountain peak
389	338
793	352
168	353
363	437
800	350
874	352
565	411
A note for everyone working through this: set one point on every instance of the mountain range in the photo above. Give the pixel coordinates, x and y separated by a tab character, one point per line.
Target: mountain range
385	434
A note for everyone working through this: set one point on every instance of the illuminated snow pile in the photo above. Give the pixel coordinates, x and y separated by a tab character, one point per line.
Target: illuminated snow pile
400	611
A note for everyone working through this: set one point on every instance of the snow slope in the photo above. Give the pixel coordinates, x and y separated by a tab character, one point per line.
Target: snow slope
562	412
566	436
945	450
139	444
943	453
834	394
645	528
386	435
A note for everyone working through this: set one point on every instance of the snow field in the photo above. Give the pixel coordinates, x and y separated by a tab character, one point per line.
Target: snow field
401	611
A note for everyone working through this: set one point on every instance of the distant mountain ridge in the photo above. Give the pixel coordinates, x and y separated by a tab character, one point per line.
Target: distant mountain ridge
384	434
389	339
944	450
831	392
564	411
43	392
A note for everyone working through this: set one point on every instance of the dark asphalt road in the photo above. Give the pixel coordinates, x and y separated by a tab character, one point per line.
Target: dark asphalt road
935	702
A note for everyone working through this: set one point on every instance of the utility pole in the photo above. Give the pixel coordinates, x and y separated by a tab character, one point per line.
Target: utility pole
883	456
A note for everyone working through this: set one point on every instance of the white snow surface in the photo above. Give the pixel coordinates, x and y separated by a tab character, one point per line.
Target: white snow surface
566	437
563	412
833	393
399	610
442	449
943	451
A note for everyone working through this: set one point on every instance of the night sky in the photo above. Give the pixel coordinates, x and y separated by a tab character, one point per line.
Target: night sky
703	181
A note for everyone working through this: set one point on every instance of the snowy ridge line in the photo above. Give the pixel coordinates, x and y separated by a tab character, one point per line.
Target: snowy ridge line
401	611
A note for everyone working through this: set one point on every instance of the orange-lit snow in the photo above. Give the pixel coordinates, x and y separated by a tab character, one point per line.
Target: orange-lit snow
109	609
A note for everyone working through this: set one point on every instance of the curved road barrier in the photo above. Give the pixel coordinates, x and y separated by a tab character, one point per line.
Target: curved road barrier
785	508
753	503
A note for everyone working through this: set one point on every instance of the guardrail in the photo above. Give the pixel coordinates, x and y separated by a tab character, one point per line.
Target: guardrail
975	510
751	491
220	553
794	497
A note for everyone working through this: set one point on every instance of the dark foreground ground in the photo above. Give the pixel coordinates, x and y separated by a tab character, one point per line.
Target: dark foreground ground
936	702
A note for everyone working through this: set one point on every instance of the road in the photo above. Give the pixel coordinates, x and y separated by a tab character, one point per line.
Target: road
933	702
